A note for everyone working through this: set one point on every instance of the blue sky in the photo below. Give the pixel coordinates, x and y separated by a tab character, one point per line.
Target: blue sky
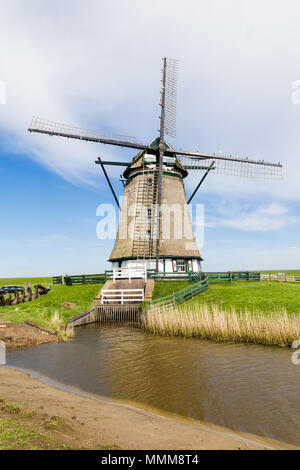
96	64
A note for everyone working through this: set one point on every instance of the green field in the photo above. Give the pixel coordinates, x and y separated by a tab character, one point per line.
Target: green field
20	281
265	296
265	312
262	296
255	296
42	309
163	288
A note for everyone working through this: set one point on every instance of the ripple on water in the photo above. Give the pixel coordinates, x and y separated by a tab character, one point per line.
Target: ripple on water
247	388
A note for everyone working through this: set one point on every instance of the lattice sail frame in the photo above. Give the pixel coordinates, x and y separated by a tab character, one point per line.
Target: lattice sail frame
171	97
232	166
44	125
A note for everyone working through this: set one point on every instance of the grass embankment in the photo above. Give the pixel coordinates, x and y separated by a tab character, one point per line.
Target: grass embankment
164	288
257	312
53	309
24	430
278	328
251	312
264	296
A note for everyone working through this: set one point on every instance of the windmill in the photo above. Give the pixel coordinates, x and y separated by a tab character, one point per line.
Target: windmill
153	180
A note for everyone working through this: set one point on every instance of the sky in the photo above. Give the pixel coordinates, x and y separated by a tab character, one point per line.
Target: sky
97	64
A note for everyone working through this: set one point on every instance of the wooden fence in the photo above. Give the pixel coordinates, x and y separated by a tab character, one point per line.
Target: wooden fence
27	295
227	276
280	277
79	279
180	296
233	276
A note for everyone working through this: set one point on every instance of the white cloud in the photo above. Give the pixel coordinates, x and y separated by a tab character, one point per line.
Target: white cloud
262	219
96	64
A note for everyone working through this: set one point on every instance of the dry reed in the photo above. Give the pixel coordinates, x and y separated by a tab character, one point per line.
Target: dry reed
277	328
56	322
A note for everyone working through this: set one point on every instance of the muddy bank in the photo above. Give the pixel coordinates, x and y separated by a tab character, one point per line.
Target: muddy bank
19	335
93	423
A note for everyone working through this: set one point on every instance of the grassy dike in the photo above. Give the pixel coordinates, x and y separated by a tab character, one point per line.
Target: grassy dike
52	310
277	328
250	312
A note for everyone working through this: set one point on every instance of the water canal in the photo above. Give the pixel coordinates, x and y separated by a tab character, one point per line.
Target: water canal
252	389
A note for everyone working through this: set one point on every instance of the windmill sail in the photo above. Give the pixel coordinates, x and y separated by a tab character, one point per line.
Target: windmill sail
233	166
44	126
171	79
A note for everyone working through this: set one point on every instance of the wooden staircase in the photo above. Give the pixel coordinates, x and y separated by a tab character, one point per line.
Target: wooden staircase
112	309
145	222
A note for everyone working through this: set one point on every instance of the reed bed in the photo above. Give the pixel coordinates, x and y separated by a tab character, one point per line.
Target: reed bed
275	328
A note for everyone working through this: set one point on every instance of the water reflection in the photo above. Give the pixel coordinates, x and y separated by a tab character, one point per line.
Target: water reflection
246	388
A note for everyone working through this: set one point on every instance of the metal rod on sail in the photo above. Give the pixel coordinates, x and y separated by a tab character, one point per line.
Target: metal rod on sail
108	180
201	181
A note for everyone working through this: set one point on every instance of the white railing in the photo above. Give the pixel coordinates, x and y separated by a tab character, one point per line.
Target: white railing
129	273
282	277
122	295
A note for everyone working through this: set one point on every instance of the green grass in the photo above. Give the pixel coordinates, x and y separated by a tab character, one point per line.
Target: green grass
263	296
41	310
20	430
20	281
164	288
14	435
265	312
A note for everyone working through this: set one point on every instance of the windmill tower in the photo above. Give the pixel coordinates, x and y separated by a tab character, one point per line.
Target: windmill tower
137	242
155	227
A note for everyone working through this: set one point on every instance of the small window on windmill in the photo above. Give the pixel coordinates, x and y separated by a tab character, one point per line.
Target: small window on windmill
181	267
169	161
149	159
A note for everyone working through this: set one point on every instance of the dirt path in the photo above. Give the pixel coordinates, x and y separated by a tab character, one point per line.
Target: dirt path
94	423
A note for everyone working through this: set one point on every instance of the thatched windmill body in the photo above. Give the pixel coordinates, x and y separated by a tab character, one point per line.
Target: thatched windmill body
155	227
